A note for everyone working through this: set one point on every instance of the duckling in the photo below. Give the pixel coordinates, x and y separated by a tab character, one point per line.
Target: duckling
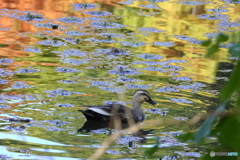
105	112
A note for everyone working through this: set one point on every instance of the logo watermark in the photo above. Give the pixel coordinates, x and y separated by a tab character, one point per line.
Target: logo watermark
212	153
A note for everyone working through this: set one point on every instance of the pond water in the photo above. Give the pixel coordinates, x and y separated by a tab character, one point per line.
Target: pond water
59	55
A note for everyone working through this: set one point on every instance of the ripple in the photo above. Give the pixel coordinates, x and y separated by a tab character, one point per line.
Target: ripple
67	81
101	25
115	152
73	61
100	131
155	69
181	100
20	85
125	79
102	83
175	61
29	17
217	10
96	40
116	52
99	13
71	20
112	35
72	40
64	105
168	89
15	128
27	70
2	81
113	89
61	92
124	140
76	33
57	122
132	44
231	1
151	29
165	44
124	72
82	6
4	73
6	60
115	102
94	19
2	101
151	6
181	118
3	106
150	56
127	2
182	78
54	43
192	3
189	154
18	97
227	23
189	39
74	52
149	63
156	111
214	17
54	128
66	70
172	68
45	25
134	86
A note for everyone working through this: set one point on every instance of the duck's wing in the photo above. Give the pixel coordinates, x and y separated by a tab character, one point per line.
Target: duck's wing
108	109
104	112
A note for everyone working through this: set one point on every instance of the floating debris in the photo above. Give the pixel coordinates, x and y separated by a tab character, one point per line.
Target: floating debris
19	120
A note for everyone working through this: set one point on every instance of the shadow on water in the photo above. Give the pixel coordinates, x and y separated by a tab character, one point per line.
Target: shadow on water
88	126
98	127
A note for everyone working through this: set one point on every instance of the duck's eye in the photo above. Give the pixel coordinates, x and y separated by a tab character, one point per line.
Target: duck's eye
146	98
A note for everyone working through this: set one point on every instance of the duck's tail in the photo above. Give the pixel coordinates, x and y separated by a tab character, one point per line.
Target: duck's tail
88	116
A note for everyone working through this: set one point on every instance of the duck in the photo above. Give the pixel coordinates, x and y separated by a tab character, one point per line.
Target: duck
106	112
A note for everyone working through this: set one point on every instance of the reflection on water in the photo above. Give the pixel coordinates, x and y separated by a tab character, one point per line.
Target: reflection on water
56	56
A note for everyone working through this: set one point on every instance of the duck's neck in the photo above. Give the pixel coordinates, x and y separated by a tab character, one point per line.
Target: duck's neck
136	105
137	109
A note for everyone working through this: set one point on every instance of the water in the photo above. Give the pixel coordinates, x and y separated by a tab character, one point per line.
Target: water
58	56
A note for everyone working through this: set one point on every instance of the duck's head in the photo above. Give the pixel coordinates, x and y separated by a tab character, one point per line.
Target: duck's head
141	96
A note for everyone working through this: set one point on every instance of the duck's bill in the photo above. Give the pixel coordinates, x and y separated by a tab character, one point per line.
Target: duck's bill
151	102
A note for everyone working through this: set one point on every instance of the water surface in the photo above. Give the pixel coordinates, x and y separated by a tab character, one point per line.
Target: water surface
57	56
